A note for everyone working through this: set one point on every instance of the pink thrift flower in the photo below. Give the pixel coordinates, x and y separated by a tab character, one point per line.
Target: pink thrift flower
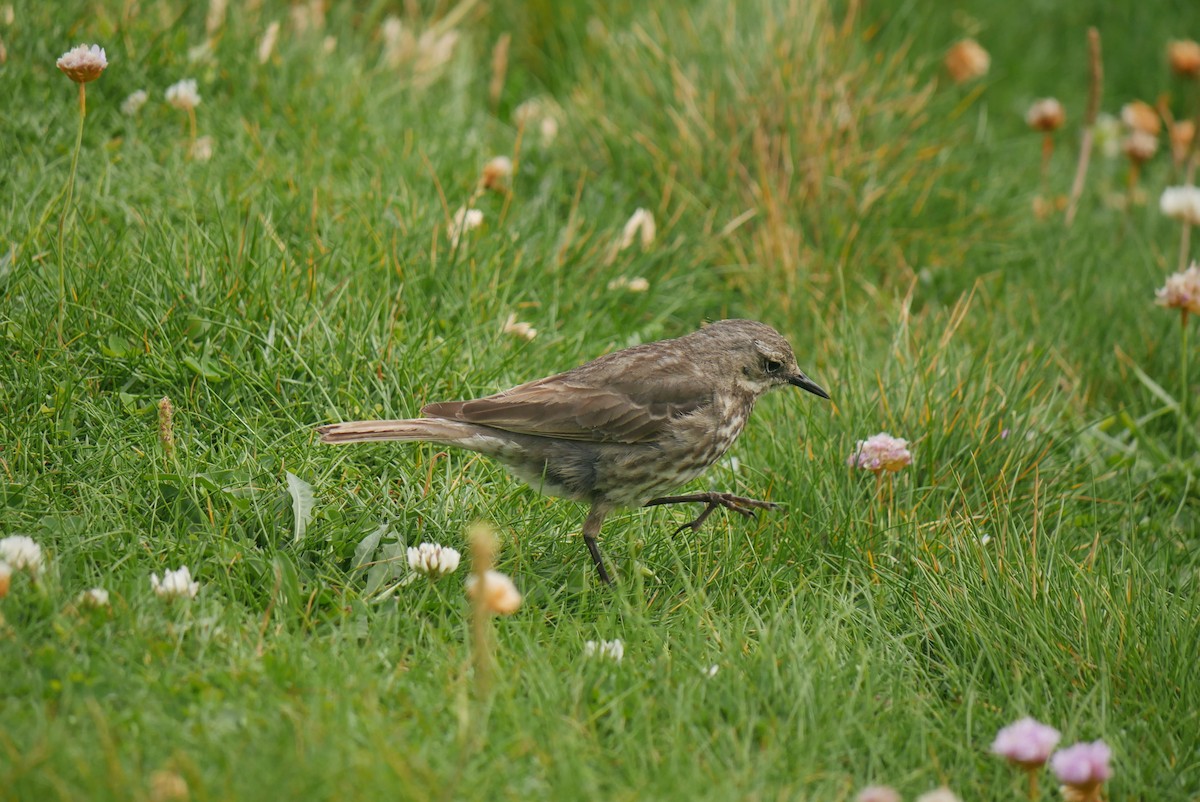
881	452
878	793
1083	766
1026	742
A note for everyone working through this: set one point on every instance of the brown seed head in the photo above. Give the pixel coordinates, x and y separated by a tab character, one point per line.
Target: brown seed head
966	60
1140	146
1141	116
1046	115
1184	57
1182	133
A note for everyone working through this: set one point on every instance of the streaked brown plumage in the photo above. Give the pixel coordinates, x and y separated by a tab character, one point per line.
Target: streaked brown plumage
621	429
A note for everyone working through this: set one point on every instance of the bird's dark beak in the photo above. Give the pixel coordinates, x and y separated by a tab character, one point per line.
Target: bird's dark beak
805	383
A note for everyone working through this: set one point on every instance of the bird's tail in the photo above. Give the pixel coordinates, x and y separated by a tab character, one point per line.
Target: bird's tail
364	431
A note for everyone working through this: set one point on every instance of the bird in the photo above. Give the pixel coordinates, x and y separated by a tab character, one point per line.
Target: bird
621	430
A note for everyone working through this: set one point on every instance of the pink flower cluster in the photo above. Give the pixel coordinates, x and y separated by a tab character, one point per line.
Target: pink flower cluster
882	452
1029	744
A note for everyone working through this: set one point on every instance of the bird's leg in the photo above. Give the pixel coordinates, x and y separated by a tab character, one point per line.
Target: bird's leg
739	504
591	528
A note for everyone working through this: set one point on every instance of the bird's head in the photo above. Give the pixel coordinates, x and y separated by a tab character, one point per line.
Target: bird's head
761	356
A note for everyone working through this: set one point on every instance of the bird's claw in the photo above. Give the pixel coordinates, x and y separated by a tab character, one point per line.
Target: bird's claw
742	506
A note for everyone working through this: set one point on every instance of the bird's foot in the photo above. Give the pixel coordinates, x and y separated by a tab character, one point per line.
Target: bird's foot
739	504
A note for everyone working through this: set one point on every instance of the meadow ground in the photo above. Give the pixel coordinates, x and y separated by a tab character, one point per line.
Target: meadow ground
809	164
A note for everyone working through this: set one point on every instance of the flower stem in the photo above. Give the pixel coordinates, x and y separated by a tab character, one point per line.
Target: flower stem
1047	153
1183	378
1184	245
1033	783
62	221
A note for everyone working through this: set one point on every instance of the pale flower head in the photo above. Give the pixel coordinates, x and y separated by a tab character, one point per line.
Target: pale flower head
433	560
95	598
942	794
639	226
635	284
1140	146
500	595
540	113
1083	766
133	104
202	148
176	584
266	45
6	573
168	786
83	63
518	328
497	172
966	60
881	452
215	17
1026	742
22	553
1182	291
1046	115
605	649
1108	135
1141	116
1184	58
464	220
878	793
183	94
1182	204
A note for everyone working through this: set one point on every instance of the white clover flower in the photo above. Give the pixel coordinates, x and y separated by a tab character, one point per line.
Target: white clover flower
606	649
881	452
267	45
433	560
711	671
464	220
518	328
21	553
133	104
1182	204
83	63
183	94
1182	291
641	222
500	595
176	584
94	598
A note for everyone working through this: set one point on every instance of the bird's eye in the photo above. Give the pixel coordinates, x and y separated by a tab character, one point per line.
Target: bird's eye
771	366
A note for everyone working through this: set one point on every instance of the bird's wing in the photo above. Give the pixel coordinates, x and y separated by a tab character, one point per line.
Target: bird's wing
626	397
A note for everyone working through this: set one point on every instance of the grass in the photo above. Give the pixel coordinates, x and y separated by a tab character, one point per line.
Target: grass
807	165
